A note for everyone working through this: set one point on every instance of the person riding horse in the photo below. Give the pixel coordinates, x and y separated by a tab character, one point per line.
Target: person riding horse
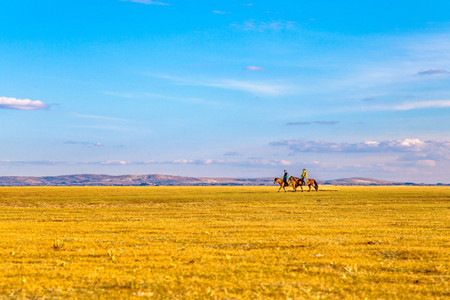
286	178
303	176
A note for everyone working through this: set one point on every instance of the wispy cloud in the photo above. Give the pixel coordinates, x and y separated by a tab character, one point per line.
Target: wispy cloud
414	105
21	104
147	2
403	57
96	117
33	162
120	95
251	87
97	144
198	162
433	72
274	25
254	68
405	106
232	153
162	97
103	127
247	162
326	122
300	123
426	163
220	12
254	87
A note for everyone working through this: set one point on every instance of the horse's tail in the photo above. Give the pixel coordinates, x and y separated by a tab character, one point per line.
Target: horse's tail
316	186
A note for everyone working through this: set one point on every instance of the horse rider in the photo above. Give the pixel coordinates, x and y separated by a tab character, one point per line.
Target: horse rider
303	177
285	178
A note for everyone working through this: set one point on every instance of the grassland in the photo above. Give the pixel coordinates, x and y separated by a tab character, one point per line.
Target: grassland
224	242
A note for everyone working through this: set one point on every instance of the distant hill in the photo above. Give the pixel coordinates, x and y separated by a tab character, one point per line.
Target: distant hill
126	180
360	181
169	180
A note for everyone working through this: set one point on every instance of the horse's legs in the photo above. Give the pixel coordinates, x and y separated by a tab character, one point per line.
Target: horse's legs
281	185
309	188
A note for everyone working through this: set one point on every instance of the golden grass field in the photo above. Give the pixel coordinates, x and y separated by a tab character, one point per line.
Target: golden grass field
224	243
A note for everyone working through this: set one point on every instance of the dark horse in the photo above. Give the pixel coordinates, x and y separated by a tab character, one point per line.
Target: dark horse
281	183
297	182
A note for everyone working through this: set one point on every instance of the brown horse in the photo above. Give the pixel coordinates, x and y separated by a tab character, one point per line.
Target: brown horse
281	183
297	182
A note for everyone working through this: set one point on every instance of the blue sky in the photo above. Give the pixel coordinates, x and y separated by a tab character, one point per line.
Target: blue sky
226	88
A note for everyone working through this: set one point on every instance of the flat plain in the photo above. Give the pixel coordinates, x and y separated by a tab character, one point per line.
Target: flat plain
224	243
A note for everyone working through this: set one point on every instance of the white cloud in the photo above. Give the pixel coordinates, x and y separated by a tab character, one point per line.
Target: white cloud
285	163
405	145
115	162
21	104
411	142
371	143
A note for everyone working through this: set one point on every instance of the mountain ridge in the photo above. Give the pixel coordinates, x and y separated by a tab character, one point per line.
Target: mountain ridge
173	180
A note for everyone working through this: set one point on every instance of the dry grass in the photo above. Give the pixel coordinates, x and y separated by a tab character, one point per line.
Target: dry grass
224	242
